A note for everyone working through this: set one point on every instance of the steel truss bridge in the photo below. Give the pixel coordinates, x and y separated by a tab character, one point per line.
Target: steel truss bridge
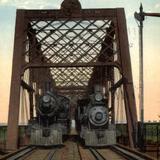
71	50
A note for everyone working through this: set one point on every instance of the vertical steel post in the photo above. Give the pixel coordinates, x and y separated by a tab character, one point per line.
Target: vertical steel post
129	100
31	104
140	17
14	103
141	81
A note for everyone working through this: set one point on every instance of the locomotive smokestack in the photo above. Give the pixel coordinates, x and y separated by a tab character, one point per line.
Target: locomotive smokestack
98	88
47	86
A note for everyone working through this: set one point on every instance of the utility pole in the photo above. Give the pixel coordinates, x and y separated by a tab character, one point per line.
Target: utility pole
140	17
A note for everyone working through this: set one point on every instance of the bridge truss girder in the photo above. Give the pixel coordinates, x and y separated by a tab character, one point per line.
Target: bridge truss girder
73	52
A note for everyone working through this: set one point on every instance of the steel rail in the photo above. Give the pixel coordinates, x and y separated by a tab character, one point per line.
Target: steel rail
48	156
18	154
96	154
27	155
129	154
28	152
79	152
51	155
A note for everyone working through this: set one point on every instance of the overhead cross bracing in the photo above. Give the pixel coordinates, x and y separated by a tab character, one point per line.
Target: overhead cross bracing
70	42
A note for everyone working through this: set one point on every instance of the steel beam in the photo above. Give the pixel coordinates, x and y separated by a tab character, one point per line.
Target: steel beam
130	105
117	84
151	14
85	14
61	65
26	86
71	88
13	117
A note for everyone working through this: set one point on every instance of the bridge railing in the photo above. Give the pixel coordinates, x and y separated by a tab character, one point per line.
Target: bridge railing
151	134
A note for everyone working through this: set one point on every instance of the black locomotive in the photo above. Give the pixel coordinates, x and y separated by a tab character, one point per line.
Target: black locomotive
93	121
52	121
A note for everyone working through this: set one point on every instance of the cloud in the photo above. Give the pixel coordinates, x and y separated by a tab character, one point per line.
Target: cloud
3	1
30	4
157	5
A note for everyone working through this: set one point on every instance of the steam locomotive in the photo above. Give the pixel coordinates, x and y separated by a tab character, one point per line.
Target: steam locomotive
93	122
52	122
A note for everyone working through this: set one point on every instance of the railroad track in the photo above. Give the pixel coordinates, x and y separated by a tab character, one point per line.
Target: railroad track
97	154
118	152
19	153
32	153
74	151
129	154
40	154
113	152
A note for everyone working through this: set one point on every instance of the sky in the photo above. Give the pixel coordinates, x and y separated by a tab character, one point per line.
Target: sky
151	46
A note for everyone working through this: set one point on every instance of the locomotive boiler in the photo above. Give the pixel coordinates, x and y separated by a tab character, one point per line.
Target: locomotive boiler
53	120
93	121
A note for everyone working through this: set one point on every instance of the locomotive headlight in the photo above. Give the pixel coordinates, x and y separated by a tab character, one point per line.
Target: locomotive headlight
46	99
98	97
48	105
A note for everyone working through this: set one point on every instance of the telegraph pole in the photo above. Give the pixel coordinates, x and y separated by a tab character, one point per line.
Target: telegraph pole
140	17
141	80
